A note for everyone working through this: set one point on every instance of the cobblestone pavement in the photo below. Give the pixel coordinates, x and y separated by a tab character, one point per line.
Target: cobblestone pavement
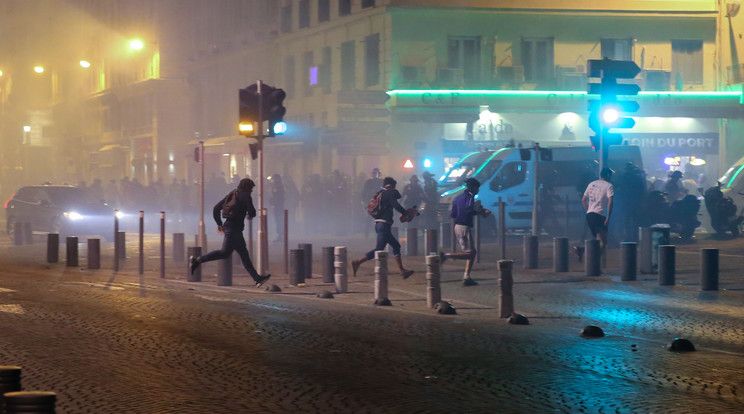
130	343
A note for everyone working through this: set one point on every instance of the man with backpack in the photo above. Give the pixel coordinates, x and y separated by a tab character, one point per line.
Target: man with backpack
234	208
381	208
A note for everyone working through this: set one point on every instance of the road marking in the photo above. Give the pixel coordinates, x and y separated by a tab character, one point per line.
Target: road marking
12	308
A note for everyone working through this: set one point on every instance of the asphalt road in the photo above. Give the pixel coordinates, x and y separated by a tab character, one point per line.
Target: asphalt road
125	343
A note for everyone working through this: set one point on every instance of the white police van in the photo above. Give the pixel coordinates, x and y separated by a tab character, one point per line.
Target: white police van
508	174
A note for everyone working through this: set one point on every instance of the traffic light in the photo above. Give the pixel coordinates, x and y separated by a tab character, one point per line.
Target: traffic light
606	112
274	110
271	108
248	110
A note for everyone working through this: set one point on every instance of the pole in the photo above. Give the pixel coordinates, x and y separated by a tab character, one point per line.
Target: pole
141	242
162	244
262	236
116	241
536	190
202	232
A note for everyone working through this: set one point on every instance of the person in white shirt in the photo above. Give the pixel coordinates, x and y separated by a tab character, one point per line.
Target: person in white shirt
597	202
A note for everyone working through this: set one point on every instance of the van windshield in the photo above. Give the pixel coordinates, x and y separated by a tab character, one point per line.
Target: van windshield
733	175
464	169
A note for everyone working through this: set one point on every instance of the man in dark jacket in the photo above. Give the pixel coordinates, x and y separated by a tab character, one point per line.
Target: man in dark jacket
464	209
383	227
233	230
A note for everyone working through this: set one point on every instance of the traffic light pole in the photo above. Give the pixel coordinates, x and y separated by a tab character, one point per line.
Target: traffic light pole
263	240
202	231
535	199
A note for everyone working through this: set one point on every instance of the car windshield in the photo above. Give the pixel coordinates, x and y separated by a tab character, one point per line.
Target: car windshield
68	196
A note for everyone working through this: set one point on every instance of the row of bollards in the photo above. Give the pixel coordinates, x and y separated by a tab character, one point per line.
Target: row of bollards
15	401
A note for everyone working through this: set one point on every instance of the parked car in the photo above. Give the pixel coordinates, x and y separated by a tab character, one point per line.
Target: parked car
63	209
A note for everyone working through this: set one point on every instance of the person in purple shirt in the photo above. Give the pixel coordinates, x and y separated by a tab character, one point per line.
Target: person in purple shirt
383	227
464	209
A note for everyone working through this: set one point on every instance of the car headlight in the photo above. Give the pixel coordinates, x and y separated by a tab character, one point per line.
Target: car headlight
73	215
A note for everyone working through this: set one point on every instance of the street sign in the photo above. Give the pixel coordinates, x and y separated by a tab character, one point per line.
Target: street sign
623	69
362	97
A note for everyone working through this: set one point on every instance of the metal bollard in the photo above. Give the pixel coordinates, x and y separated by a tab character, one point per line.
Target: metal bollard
52	247
116	241
431	242
94	253
162	244
308	265
10	381
628	261
592	258
560	254
18	233
286	241
381	275
121	240
224	276
341	269
394	230
296	267
502	229
506	298
645	254
195	251
179	247
30	402
446	231
28	234
667	264
433	281
477	237
141	262
709	269
327	260
529	252
411	241
72	251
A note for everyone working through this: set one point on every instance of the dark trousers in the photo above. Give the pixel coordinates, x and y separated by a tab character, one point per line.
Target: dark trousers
233	241
384	237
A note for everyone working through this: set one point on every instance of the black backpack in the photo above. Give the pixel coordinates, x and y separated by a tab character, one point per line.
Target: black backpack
228	205
374	207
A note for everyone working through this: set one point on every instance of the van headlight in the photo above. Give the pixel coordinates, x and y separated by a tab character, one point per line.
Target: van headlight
72	215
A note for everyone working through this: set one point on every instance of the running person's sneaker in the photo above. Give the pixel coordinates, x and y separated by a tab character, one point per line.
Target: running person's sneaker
194	264
406	273
579	250
262	279
442	257
469	282
355	266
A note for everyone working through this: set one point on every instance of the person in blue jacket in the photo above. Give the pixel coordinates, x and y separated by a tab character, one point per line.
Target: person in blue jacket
464	209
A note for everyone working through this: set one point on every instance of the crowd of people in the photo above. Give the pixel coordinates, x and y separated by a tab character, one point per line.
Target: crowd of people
316	206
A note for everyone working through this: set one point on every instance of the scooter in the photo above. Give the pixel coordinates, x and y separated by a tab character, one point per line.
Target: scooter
681	215
722	211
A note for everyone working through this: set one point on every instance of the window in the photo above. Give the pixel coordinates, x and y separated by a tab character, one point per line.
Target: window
464	53
304	14
325	71
344	7
372	60
617	49
307	64
537	59
368	3
513	173
287	18
348	65
324	10
687	63
289	76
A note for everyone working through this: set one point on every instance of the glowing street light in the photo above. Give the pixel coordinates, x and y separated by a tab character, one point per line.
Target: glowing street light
26	128
1	73
136	44
84	64
39	69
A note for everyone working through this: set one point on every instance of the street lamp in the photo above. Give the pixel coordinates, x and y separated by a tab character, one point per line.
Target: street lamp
136	44
84	64
39	69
